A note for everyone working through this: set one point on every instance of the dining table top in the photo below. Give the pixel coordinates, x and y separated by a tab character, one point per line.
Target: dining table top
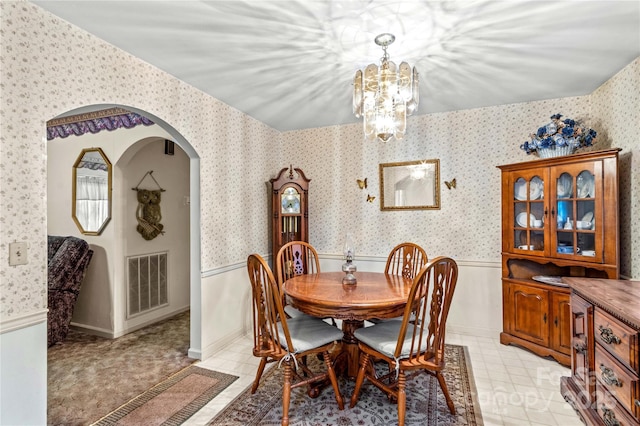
375	295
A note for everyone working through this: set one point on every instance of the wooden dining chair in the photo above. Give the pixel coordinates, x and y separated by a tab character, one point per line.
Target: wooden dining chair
295	258
411	345
287	340
406	259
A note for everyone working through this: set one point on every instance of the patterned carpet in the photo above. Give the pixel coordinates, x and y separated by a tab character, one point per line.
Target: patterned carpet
425	402
90	376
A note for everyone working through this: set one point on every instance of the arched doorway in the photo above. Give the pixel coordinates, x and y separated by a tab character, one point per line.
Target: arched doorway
194	218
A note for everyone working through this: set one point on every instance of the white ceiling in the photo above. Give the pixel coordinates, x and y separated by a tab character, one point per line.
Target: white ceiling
290	63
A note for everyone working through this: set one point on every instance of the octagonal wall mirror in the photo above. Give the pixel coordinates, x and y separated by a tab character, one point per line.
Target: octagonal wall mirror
411	185
91	191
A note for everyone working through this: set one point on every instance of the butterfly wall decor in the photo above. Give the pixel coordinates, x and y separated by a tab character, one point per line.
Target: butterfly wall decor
362	183
370	198
450	184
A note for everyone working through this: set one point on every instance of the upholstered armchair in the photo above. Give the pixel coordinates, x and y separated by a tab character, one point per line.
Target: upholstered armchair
68	259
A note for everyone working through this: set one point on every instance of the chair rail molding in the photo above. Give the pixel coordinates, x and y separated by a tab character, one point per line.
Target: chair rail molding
23	321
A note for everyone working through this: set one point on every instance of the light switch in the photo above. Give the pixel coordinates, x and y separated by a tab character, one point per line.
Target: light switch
18	253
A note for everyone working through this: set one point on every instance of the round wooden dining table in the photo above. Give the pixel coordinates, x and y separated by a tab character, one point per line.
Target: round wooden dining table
375	295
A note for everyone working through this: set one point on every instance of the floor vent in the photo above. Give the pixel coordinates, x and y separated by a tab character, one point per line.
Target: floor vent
147	283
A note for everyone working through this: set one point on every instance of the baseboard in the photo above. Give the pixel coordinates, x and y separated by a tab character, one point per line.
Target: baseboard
194	354
152	321
95	331
110	334
218	345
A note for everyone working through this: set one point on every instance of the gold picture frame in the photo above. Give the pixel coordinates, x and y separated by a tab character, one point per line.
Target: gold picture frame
91	191
410	185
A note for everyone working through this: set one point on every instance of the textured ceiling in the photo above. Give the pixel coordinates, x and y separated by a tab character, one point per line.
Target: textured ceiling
290	63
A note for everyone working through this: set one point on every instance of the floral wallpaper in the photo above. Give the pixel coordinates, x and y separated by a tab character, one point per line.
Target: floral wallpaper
470	144
43	59
616	104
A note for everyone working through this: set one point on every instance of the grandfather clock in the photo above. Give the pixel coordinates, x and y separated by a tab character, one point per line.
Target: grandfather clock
290	207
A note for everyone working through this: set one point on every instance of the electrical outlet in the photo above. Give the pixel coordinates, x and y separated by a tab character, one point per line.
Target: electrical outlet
18	253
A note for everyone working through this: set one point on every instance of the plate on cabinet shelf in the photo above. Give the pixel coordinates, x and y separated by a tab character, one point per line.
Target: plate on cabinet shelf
521	219
586	185
565	184
549	279
535	189
588	217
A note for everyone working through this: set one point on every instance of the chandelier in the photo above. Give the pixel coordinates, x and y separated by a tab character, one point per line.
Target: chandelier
385	95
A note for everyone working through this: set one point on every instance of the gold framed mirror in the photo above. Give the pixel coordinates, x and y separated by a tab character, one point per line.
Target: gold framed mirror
91	191
410	185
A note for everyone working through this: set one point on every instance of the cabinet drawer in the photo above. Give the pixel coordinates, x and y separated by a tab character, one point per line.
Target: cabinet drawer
618	381
581	345
610	410
619	339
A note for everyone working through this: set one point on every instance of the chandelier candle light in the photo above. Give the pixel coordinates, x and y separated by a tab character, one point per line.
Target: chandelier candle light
385	95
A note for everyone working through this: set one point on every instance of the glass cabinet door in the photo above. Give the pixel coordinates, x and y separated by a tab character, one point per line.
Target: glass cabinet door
576	210
528	212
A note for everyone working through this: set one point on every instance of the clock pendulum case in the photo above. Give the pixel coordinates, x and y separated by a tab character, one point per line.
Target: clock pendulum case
289	207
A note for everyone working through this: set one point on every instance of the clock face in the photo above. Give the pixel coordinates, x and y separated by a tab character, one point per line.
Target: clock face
290	201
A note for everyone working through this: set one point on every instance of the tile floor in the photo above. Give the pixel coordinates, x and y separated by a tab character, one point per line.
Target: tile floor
514	386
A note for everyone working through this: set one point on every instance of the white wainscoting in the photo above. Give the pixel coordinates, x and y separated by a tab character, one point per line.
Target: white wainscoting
477	303
225	308
23	370
226	300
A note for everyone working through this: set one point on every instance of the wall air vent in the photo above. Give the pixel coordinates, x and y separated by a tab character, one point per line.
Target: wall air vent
146	283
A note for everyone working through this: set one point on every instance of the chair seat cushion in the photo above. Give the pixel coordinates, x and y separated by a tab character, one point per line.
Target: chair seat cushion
293	312
383	337
308	333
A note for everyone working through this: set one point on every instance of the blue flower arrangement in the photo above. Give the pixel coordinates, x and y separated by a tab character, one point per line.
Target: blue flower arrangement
559	133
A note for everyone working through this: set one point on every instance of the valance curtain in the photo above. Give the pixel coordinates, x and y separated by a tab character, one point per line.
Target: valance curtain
115	118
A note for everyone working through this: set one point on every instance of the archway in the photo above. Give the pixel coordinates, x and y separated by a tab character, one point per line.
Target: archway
195	347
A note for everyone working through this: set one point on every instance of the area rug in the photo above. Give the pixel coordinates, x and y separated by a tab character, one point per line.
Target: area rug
425	403
172	401
90	376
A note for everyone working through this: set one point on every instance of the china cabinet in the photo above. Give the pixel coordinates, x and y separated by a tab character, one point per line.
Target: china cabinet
289	208
559	219
604	386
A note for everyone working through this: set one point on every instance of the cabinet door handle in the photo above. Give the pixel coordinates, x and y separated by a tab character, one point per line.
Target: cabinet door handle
555	321
544	318
546	212
607	335
609	417
609	376
553	212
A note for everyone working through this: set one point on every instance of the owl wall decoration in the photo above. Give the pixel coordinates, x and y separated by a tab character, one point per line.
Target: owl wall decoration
148	213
